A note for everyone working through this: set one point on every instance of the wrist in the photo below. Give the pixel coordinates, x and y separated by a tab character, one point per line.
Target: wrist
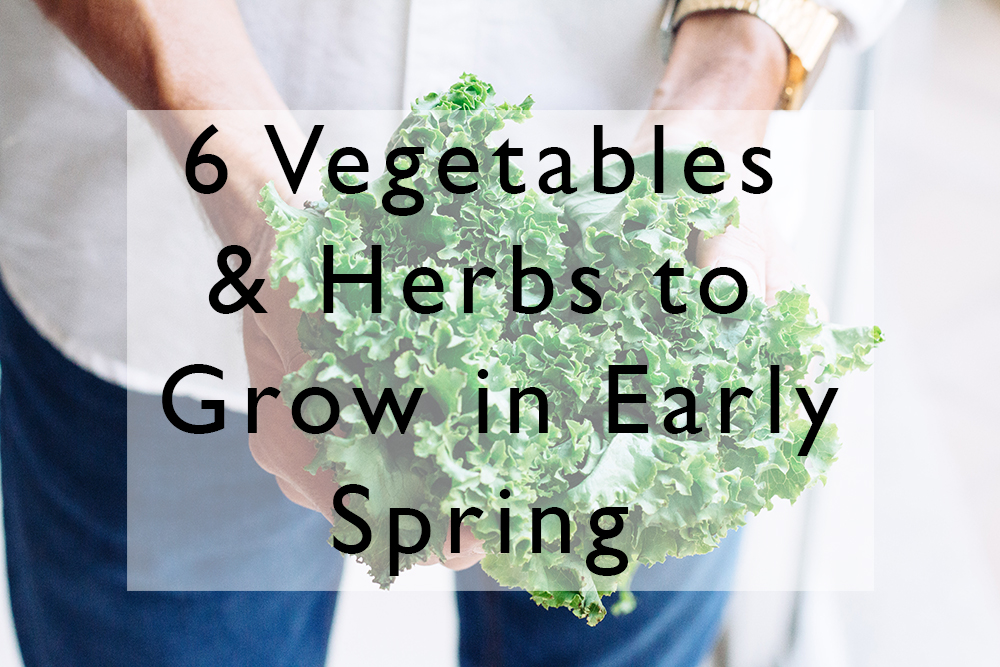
724	60
241	142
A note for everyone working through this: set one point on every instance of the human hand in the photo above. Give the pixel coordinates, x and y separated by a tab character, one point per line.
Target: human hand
182	58
724	76
271	342
272	348
470	553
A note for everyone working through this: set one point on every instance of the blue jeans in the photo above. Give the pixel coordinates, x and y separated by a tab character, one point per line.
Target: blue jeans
66	441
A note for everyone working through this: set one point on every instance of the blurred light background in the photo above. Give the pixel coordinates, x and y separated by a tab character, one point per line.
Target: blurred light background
932	84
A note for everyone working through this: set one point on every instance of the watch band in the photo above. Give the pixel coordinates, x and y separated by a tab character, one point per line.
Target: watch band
806	28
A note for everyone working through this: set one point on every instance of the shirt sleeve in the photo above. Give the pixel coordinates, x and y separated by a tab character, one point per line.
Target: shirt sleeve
863	21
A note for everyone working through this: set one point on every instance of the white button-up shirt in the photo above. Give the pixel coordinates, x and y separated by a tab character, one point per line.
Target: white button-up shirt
63	142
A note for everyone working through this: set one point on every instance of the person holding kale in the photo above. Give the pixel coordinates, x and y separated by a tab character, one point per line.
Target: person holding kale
63	398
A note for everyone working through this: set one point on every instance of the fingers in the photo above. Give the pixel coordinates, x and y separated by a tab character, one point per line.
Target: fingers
279	446
280	324
741	248
463	561
470	554
471	551
293	494
780	265
783	272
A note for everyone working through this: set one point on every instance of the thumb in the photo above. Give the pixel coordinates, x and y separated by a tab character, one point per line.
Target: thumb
746	269
739	249
281	324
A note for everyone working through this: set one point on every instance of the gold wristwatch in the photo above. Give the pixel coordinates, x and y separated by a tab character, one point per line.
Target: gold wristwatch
806	28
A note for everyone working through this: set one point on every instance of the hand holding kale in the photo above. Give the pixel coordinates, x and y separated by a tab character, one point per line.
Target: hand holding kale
684	491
